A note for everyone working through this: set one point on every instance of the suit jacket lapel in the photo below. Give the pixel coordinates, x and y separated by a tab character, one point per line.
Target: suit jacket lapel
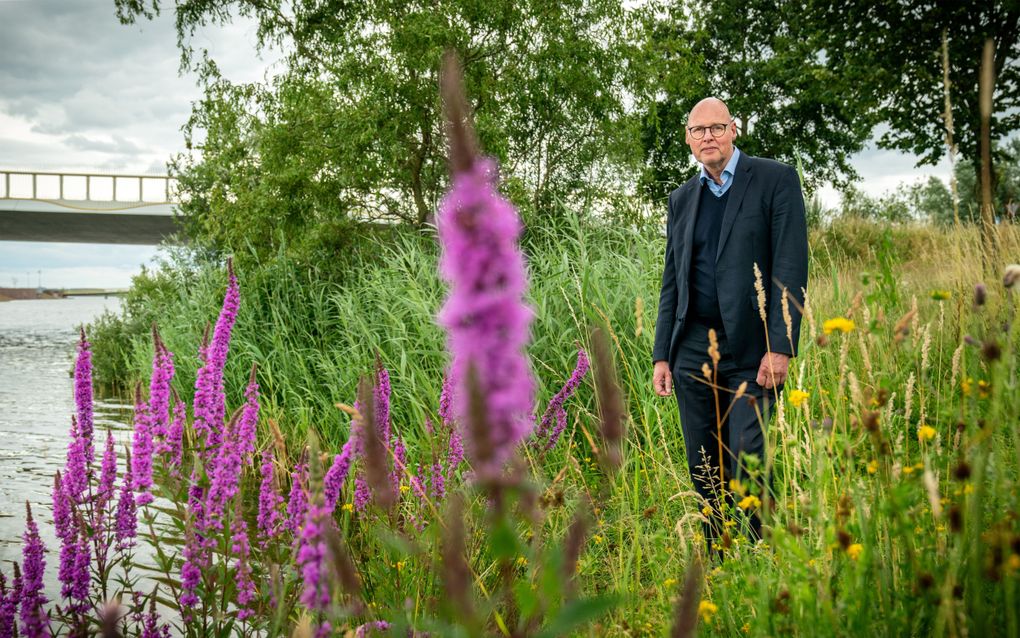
741	178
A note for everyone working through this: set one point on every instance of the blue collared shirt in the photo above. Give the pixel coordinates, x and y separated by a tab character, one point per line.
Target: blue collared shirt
727	175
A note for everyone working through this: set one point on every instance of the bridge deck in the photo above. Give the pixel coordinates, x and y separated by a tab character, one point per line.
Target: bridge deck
91	222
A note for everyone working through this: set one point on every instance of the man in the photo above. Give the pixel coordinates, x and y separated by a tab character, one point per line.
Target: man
738	212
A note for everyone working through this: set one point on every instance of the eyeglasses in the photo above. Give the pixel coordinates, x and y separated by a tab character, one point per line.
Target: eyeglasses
698	132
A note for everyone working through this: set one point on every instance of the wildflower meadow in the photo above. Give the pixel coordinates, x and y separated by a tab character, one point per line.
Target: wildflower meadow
486	456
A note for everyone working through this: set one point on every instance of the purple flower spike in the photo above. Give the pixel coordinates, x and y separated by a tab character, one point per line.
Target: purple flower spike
485	316
75	477
240	548
297	506
80	577
34	620
333	482
191	569
362	493
437	482
269	501
159	389
455	453
175	438
399	464
141	453
446	403
382	392
83	396
247	426
313	559
210	401
126	522
555	411
8	607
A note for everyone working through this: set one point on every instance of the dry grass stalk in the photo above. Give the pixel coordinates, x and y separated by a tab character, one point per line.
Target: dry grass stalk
908	398
610	403
639	316
459	130
760	289
376	465
809	315
685	613
456	572
574	542
787	318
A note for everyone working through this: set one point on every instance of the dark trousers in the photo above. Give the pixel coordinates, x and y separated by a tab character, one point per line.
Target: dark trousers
742	430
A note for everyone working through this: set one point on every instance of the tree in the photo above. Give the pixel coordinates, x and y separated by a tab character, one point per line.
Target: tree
351	130
899	44
790	102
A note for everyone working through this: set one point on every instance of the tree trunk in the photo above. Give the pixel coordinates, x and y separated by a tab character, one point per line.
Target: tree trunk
988	231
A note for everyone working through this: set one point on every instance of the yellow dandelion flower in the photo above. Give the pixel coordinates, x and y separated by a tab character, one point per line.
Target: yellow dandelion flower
908	469
706	510
854	551
737	487
841	324
730	523
404	489
941	295
746	628
597	539
984	389
967	385
798	398
872	467
522	561
926	433
669	582
748	502
968	489
1013	563
348	507
399	565
707	610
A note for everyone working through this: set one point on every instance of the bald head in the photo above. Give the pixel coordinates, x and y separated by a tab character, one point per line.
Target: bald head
712	107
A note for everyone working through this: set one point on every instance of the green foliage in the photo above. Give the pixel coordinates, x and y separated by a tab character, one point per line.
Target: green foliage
898	45
789	100
349	130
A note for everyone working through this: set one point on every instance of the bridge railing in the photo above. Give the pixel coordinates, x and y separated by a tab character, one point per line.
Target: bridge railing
90	187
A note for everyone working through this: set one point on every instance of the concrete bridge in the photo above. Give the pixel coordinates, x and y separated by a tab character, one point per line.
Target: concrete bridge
86	208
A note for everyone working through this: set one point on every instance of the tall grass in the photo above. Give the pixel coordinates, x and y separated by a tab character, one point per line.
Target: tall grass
880	526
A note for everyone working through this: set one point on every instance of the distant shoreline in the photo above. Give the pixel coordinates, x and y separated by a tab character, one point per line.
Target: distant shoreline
29	294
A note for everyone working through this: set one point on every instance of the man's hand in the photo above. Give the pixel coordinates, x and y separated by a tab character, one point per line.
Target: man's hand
773	369
662	379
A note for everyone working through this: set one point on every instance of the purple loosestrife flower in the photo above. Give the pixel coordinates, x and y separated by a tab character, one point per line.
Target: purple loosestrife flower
382	392
333	482
446	403
240	548
399	463
8	608
175	438
126	521
455	453
365	630
210	401
247	426
269	501
191	569
80	577
105	490
34	620
159	388
62	521
297	506
362	493
75	477
437	482
485	316
313	558
554	411
141	453
83	395
226	477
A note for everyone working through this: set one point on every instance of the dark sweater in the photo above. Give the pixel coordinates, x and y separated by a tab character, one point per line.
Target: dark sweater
704	296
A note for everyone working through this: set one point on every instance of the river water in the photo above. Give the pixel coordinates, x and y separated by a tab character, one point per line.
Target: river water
37	348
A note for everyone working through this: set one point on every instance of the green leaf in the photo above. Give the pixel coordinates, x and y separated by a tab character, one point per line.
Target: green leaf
577	613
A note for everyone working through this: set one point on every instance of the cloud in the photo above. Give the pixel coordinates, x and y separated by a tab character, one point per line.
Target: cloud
85	92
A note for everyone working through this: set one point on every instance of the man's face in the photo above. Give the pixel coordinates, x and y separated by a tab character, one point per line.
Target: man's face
710	150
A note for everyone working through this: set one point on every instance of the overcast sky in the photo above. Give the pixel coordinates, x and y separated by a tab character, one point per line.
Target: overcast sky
80	91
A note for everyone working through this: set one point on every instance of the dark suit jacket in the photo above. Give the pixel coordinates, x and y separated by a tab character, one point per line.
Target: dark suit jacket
763	223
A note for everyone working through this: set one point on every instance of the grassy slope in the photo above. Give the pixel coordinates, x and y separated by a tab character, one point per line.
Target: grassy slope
313	341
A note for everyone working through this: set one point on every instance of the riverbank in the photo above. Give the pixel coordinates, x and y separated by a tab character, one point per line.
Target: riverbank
24	294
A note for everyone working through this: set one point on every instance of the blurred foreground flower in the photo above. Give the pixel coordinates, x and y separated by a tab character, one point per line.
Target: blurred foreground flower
798	398
842	324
